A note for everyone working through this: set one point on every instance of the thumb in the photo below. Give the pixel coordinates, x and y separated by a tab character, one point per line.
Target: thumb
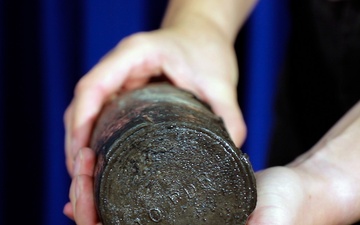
222	98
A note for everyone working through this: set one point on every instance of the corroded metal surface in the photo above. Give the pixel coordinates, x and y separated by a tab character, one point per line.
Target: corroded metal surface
165	158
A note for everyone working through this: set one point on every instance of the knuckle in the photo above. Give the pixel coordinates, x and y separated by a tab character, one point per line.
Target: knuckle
81	85
136	40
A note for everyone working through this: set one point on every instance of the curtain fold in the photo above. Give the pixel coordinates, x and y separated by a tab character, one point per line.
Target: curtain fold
47	45
62	65
2	169
265	39
22	154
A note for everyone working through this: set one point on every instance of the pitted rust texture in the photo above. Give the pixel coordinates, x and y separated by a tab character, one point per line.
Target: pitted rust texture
165	158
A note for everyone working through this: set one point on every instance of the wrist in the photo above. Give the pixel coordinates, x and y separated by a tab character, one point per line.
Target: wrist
224	18
199	26
331	196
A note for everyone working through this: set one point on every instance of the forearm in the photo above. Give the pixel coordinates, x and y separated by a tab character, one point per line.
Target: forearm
225	16
332	168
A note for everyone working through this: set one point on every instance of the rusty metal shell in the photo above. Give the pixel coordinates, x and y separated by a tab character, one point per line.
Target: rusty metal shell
165	158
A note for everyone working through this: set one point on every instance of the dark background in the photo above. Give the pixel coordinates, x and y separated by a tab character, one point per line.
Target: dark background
46	46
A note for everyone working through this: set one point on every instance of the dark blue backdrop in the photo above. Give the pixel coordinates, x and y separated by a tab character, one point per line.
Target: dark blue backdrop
47	45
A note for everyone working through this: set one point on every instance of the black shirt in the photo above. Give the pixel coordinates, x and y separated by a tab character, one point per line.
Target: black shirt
321	77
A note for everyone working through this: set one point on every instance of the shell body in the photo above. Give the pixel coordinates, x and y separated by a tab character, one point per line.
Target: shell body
165	158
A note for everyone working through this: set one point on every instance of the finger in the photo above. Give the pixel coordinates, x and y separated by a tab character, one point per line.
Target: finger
125	61
85	162
220	95
91	94
85	211
68	153
131	84
83	166
223	101
68	210
72	197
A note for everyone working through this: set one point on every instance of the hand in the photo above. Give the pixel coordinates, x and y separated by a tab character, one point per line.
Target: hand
282	198
82	207
204	65
314	192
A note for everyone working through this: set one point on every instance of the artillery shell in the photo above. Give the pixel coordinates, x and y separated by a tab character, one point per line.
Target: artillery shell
163	157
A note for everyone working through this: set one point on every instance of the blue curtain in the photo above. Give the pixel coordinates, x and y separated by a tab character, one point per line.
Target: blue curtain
47	45
2	168
266	36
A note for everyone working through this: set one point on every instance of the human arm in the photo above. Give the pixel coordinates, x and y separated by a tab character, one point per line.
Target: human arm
320	187
193	49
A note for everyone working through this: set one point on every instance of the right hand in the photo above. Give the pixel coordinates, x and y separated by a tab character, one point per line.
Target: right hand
198	60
